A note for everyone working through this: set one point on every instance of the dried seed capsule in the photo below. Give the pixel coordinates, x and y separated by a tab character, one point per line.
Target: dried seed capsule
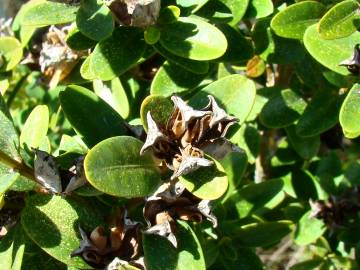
353	63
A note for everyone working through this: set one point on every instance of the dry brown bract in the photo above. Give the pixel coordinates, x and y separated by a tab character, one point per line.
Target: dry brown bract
99	248
172	202
353	63
138	13
188	132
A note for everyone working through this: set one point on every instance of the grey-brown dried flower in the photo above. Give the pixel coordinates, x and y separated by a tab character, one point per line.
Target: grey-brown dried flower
100	248
173	202
138	13
353	63
181	142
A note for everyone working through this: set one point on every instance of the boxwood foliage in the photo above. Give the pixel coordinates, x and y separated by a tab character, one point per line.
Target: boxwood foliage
182	134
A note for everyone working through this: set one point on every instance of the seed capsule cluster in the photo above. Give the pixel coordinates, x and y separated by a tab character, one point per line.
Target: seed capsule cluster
181	141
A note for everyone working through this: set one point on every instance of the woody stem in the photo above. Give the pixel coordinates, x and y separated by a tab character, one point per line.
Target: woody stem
17	166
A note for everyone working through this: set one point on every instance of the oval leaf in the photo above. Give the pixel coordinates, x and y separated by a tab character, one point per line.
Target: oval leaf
308	229
208	183
293	21
235	94
11	53
94	20
340	21
330	53
161	254
283	109
91	117
171	79
49	13
35	128
52	222
350	113
112	57
193	38
121	171
306	147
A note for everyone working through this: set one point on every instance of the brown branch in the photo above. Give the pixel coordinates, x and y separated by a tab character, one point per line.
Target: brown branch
17	166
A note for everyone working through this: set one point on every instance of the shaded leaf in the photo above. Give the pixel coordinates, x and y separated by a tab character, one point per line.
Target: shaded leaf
308	229
350	113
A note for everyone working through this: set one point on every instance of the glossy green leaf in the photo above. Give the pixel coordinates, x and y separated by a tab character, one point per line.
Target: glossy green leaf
91	117
78	41
193	4
308	229
254	196
282	110
159	107
235	94
238	9
235	164
52	222
49	13
160	254
293	21
6	181
303	184
208	183
259	9
193	38
86	70
94	19
173	79
121	171
112	57
12	248
340	21
35	128
306	147
262	234
151	35
197	67
113	93
330	53
320	115
239	48
350	113
11	53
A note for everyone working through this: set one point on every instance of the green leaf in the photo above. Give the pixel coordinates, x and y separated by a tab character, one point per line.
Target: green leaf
161	254
113	93
121	171
306	147
254	196
11	53
49	13
308	264
262	234
35	128
293	21
152	35
78	41
52	222
173	79
193	38
246	260
239	48
235	164
9	139
308	229
340	21
235	94
283	109
160	108
86	71
197	67
259	9
208	183
193	4
12	248
350	113
238	9
112	57
94	19
303	184
330	53
6	181
91	117
320	115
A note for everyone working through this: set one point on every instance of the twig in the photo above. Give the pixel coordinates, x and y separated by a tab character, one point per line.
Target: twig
17	166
